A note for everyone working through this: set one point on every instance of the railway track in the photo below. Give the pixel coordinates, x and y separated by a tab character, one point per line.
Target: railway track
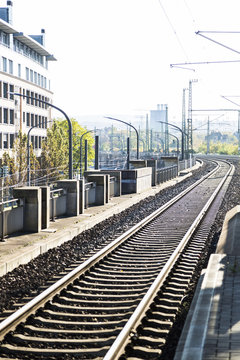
121	302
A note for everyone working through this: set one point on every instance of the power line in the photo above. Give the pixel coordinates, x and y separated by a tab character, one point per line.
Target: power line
217	42
180	65
173	29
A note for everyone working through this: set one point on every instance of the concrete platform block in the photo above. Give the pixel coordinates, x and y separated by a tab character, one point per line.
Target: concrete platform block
72	189
32	213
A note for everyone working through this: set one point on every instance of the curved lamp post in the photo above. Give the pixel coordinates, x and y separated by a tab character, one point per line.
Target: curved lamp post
124	122
81	137
177	141
183	133
70	161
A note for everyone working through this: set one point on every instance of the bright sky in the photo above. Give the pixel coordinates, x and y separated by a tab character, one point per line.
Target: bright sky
114	56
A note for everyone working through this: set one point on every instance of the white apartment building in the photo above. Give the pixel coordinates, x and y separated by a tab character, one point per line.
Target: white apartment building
23	69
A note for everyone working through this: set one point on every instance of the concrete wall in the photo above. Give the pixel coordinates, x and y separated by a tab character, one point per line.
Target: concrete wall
102	187
72	190
60	205
32	215
170	161
12	220
117	183
136	180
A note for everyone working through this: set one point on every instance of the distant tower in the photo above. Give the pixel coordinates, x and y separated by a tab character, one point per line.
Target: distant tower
184	118
189	120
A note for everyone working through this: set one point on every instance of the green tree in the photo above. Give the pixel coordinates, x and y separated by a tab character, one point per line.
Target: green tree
54	157
55	149
17	161
77	131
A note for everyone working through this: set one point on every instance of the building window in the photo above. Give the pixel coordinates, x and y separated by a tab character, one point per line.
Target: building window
11	116
0	88
10	65
4	62
5	38
32	98
5	141
36	120
32	141
27	73
40	142
28	94
19	70
24	116
35	77
0	115
36	142
0	140
36	99
28	119
31	75
11	89
11	140
5	116
32	120
5	90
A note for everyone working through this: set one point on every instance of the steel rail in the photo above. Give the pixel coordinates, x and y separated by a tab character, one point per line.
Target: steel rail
13	320
128	330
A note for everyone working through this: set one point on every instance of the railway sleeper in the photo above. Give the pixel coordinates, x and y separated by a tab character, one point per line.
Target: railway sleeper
83	290
32	341
97	296
30	329
141	352
87	325
89	303
58	311
97	353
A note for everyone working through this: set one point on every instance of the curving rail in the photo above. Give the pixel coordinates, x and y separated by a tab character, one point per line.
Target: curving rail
94	311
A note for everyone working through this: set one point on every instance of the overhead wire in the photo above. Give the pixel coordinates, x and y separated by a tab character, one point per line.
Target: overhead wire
173	29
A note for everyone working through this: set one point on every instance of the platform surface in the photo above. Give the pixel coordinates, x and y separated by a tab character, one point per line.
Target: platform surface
212	328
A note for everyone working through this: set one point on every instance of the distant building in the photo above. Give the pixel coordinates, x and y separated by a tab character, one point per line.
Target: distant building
158	120
158	115
23	69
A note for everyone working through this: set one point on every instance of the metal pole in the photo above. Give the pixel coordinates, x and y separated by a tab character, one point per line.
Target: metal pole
128	153
96	152
86	155
81	137
208	136
70	160
177	142
175	126
28	159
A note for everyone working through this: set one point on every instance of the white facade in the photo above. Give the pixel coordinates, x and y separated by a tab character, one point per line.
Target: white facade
24	70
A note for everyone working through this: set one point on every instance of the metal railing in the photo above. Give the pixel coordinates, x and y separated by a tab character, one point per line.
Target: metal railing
8	205
166	174
54	194
87	188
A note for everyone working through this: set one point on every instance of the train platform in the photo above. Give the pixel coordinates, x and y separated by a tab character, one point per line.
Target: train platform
20	248
212	328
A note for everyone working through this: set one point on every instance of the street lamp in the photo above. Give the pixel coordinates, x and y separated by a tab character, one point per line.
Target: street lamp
177	142
70	162
124	122
81	137
183	133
